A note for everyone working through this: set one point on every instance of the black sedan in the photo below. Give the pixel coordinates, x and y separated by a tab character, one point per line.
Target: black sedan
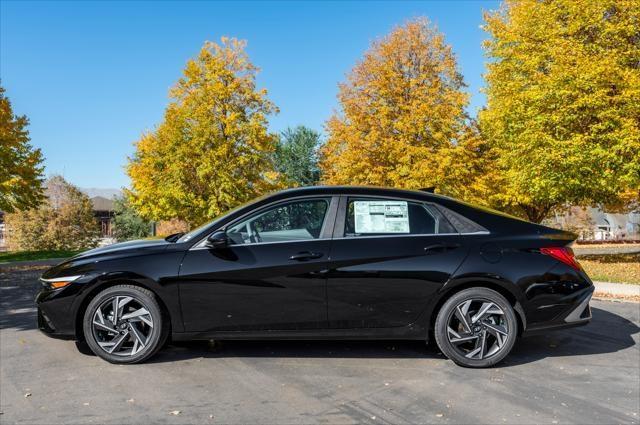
326	263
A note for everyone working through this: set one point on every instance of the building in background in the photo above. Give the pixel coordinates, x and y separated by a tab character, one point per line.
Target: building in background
103	212
594	224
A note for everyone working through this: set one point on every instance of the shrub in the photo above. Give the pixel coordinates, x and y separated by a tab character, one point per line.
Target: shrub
64	221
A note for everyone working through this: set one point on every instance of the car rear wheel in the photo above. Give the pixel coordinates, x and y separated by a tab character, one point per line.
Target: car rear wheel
124	324
476	327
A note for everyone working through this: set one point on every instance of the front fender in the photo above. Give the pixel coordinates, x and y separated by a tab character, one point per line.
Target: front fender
156	272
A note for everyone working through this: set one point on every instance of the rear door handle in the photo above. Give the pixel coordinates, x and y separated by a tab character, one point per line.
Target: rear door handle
439	247
306	255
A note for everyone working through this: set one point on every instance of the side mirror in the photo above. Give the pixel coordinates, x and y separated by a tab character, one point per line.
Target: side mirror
218	239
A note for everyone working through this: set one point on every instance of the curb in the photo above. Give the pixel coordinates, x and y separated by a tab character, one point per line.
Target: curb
47	262
622	289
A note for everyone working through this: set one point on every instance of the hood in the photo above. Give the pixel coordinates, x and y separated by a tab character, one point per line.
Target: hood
142	244
83	262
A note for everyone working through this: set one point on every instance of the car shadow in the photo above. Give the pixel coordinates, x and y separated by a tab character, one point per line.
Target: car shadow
607	333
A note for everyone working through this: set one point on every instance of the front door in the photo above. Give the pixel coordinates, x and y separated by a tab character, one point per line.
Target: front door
270	277
389	258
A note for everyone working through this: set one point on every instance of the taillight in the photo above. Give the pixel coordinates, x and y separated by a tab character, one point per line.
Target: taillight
564	254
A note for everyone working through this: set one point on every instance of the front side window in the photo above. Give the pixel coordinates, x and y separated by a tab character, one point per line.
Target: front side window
291	221
393	217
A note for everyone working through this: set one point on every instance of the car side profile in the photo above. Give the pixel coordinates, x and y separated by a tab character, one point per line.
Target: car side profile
326	263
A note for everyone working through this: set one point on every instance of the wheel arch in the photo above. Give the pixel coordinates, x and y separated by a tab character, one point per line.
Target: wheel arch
453	288
107	283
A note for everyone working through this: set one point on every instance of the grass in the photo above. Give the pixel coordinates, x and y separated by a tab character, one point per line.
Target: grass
6	257
617	268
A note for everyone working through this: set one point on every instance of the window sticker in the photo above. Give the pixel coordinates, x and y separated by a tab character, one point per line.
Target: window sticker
381	217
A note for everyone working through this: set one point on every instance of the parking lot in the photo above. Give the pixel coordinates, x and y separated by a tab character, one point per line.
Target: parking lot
583	375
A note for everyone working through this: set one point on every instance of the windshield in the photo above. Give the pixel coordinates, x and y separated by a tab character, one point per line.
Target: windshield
188	236
199	230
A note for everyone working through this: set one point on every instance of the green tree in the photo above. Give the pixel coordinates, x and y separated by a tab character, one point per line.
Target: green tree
212	151
65	221
20	164
127	222
402	110
296	156
563	102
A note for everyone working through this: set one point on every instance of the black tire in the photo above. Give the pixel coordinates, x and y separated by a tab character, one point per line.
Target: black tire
157	334
447	316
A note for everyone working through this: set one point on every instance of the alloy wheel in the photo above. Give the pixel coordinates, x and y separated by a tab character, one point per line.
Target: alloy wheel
477	329
122	325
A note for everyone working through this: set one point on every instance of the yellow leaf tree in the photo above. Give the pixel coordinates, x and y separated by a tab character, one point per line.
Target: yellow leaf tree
401	112
212	151
20	164
563	102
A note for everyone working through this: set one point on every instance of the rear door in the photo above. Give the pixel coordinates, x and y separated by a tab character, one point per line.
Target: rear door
270	277
389	257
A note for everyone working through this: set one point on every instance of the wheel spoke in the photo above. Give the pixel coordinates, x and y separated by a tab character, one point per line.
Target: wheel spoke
473	354
462	339
118	343
457	338
462	313
139	338
100	316
479	349
487	308
114	314
452	332
140	312
496	330
104	326
483	344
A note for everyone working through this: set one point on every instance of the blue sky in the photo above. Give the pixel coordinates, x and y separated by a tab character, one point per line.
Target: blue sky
92	76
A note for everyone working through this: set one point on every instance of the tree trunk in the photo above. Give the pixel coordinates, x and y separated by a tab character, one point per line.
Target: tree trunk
536	213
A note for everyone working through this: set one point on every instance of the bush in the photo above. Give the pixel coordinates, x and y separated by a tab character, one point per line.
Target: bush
127	224
64	221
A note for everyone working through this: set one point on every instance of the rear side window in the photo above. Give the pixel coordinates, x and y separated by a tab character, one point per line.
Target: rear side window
369	216
461	223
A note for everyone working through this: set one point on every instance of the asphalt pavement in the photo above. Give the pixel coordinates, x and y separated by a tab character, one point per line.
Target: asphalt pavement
583	375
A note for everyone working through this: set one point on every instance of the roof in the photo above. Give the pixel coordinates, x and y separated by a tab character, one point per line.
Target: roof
359	190
102	204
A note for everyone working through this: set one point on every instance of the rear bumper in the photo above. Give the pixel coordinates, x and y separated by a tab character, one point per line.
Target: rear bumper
578	314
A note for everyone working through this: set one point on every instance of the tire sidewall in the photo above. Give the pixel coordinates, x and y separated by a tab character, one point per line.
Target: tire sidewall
148	300
446	311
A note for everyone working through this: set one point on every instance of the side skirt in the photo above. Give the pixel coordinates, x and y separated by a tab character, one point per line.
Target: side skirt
408	332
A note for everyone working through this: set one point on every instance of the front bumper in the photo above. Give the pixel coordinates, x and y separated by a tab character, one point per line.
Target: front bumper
55	315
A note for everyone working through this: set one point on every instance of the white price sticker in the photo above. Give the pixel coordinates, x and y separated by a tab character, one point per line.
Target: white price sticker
381	217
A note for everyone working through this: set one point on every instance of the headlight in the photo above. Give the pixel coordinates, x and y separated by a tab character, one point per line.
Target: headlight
59	282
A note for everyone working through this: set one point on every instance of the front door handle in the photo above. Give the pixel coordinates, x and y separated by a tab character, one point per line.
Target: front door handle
306	255
439	248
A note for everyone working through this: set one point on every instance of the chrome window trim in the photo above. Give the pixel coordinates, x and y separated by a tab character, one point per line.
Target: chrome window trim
334	203
202	244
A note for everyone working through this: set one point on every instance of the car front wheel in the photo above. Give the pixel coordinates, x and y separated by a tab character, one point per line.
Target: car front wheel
476	327
124	324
